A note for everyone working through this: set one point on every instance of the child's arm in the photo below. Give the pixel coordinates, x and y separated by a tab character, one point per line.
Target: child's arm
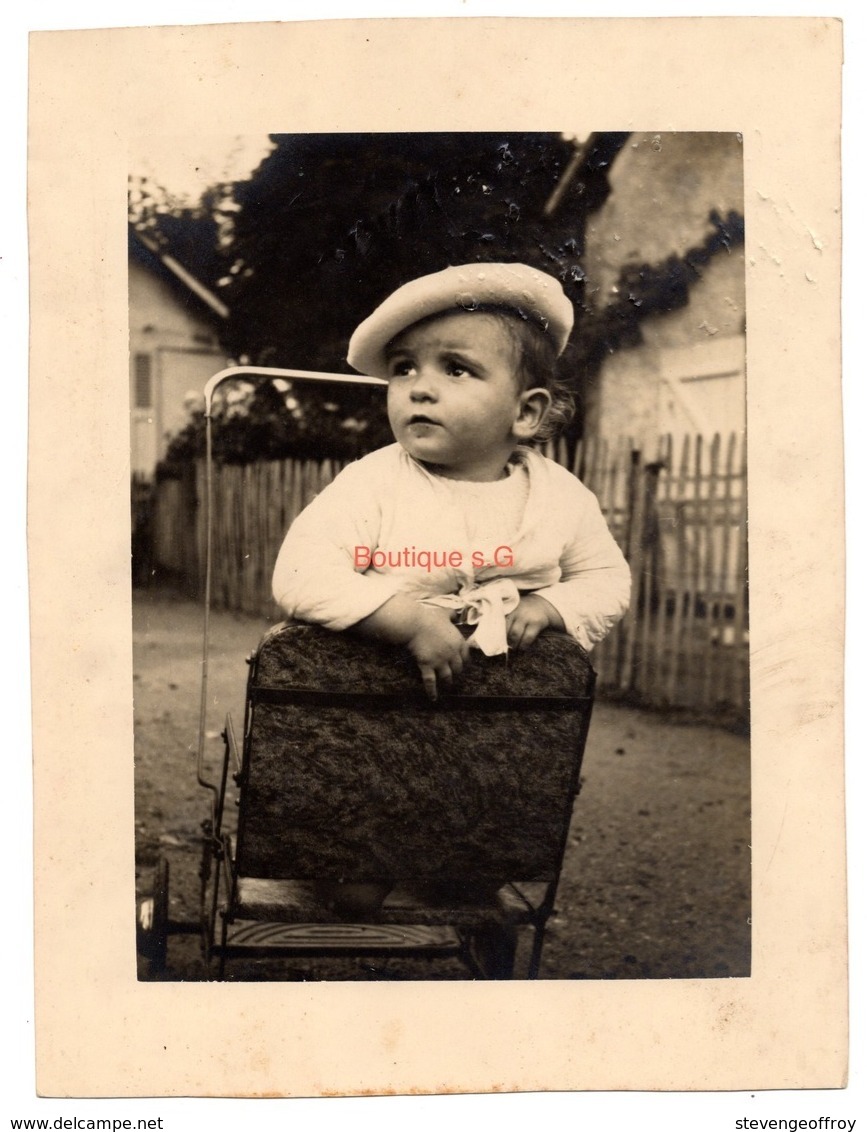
316	580
594	588
315	576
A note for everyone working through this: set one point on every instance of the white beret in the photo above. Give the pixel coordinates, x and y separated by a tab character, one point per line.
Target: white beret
533	293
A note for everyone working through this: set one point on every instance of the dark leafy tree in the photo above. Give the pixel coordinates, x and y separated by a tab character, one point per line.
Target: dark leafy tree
329	225
195	235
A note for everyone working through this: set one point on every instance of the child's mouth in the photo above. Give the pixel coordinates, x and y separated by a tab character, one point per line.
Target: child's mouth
421	420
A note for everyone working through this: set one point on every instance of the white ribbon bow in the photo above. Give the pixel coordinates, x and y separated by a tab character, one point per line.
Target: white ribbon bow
486	605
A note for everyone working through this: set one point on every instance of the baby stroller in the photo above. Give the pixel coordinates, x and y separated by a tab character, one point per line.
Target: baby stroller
347	776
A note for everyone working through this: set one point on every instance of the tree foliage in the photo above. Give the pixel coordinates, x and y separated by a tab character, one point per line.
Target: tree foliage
267	420
196	235
329	225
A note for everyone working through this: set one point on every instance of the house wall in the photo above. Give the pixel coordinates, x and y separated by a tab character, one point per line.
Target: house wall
688	373
173	350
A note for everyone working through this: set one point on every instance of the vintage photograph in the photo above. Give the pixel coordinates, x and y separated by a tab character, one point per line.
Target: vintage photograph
438	463
435	517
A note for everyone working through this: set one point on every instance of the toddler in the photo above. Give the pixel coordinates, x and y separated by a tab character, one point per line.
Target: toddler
461	520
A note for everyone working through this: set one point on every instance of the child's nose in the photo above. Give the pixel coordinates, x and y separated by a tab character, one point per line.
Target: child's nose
424	386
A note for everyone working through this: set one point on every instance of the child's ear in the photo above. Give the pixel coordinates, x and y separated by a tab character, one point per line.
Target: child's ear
532	410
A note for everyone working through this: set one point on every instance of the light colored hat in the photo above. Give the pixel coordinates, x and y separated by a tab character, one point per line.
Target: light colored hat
533	293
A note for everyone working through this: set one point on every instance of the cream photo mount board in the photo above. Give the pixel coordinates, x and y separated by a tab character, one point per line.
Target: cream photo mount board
774	81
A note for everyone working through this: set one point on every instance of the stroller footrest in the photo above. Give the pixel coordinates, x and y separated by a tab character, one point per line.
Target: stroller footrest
250	936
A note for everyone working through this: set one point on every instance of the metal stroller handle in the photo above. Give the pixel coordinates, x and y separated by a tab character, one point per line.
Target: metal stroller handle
294	374
266	373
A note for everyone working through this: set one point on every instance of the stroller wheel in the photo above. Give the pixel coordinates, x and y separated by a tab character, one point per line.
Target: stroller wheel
152	921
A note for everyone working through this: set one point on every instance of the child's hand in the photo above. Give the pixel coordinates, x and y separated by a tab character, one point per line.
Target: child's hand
533	615
439	649
426	630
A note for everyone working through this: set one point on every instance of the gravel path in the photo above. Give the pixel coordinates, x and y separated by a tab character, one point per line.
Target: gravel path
656	881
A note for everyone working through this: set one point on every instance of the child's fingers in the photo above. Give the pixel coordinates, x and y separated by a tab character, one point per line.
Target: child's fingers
516	629
522	633
518	638
429	679
531	632
433	677
444	674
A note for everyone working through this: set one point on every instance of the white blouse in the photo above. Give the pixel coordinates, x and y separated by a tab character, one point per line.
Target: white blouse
387	525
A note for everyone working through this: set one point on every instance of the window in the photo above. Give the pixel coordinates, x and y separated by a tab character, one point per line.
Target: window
143	392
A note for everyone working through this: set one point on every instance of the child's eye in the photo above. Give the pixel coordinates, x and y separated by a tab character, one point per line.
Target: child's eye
455	368
400	368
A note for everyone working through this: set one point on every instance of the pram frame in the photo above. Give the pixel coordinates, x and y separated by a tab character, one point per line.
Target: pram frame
483	937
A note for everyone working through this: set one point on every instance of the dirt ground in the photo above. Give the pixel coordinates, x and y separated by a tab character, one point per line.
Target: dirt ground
656	879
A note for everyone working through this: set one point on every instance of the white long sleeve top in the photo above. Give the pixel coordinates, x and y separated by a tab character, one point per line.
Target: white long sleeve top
387	525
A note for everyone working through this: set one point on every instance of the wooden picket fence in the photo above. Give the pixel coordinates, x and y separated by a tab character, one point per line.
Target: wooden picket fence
679	515
175	529
680	518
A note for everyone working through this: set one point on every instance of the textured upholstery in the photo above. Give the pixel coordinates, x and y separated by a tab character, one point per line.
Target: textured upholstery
382	784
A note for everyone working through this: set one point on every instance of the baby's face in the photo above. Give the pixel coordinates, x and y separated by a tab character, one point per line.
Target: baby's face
453	394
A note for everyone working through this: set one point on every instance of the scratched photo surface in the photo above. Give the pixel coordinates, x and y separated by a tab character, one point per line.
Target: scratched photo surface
665	965
269	258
